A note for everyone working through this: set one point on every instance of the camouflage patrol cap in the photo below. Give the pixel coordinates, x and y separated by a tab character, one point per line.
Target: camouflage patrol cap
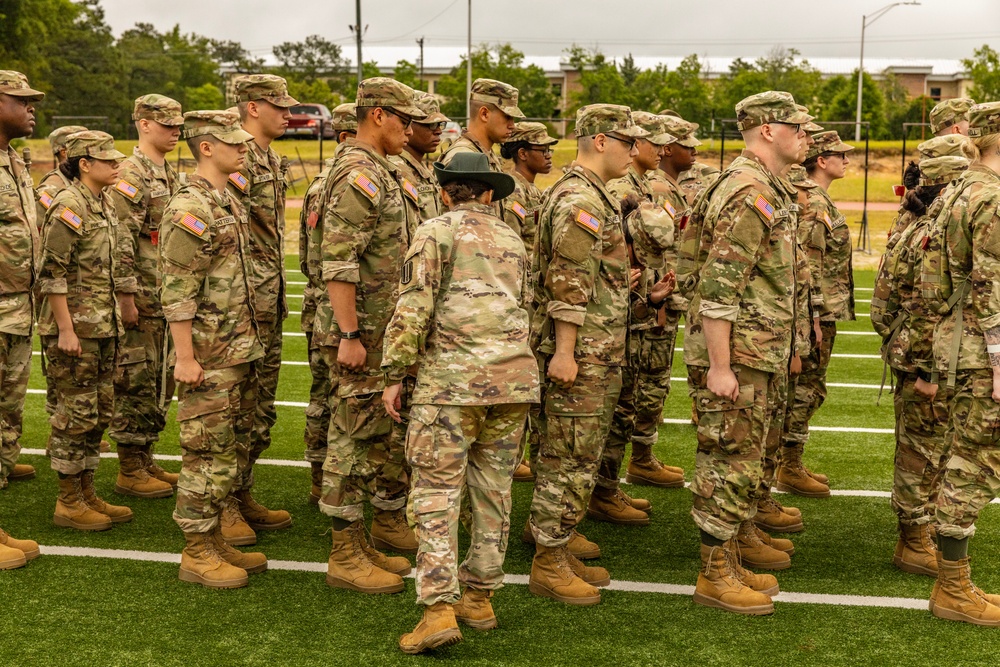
595	119
158	108
947	113
533	133
267	87
827	142
773	106
223	125
652	231
345	118
984	119
797	174
655	126
941	170
668	112
92	144
948	144
57	138
811	127
381	91
16	84
430	105
499	94
682	129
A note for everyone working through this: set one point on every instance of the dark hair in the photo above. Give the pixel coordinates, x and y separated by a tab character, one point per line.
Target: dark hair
363	112
911	177
71	167
509	150
194	142
812	164
916	200
464	190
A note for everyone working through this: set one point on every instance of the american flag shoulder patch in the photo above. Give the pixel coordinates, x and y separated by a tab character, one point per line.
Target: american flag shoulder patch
46	200
363	183
410	190
126	188
670	209
827	221
519	210
71	218
764	206
239	180
588	222
193	224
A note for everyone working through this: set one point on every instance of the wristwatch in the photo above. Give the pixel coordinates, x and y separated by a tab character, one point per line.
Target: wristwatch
350	335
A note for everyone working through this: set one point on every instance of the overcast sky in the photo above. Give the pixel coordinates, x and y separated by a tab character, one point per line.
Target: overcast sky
935	29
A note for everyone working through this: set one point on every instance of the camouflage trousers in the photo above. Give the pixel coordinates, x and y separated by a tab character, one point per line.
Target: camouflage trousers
645	387
972	472
267	388
365	458
318	410
142	397
461	456
83	388
807	391
921	450
215	420
15	367
733	437
573	427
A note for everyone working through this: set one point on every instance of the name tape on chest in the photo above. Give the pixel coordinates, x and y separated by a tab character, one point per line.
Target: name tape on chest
263	178
7	187
365	185
126	188
193	224
588	222
225	220
410	190
519	210
71	218
239	180
160	192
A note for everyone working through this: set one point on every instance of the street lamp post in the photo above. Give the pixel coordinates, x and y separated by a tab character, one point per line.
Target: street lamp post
865	22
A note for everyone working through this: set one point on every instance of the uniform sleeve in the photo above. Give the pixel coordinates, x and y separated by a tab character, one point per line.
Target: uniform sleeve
127	196
885	297
985	276
812	237
63	229
803	316
573	271
185	258
349	223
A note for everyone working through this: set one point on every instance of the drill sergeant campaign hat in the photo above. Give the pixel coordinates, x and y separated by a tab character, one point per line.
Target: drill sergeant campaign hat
499	94
223	125
158	108
475	167
773	106
595	119
947	113
381	91
267	87
92	144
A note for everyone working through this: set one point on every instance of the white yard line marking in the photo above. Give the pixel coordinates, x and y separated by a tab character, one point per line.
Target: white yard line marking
835	356
841	385
283	463
287	404
833	429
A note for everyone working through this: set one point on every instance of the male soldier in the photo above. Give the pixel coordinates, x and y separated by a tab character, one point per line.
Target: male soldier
695	178
143	380
465	278
207	299
345	124
419	183
19	263
738	346
578	334
366	232
643	379
263	102
951	116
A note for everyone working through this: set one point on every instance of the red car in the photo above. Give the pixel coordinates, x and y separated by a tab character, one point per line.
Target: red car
307	119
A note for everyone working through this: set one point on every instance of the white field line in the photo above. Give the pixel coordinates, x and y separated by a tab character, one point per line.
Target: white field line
835	356
841	385
833	429
285	404
513	579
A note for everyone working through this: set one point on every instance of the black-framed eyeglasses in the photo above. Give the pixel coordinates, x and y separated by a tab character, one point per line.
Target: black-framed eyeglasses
434	126
406	120
628	142
795	126
544	150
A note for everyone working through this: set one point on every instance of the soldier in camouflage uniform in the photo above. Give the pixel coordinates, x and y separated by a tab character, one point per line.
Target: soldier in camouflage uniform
951	116
55	180
367	226
20	252
578	334
207	298
470	402
144	381
80	324
263	102
418	182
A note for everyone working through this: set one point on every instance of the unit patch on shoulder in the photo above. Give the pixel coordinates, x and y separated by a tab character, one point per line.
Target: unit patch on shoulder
363	183
519	210
194	225
410	190
71	218
239	180
588	222
126	189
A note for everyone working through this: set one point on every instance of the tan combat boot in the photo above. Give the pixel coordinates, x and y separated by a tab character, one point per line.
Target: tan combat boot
720	586
391	532
646	470
258	516
235	529
991	598
395	564
437	628
72	511
779	543
774	518
28	547
154	469
475	610
11	558
595	576
578	545
794	478
762	583
640	504
609	505
956	598
21	472
105	446
524	473
915	552
252	562
133	477
316	486
202	564
552	577
117	513
752	552
349	566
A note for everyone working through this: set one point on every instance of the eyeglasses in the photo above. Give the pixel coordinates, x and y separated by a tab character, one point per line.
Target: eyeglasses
795	126
433	126
544	150
406	120
628	142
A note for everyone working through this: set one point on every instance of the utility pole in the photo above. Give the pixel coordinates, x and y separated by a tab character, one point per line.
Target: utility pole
468	70
420	42
865	22
357	34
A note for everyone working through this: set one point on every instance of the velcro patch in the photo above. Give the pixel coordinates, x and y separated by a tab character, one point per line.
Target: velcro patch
193	224
126	189
46	200
670	209
764	206
71	218
827	221
588	222
363	183
410	190
519	210
239	180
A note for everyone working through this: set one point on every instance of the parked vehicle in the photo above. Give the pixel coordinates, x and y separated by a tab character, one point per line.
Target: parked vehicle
307	119
451	132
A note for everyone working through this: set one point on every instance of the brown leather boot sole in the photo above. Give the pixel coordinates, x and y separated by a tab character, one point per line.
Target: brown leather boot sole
337	582
481	624
913	568
195	578
66	522
787	488
542	591
268	526
448	637
21	478
126	491
631	478
760	610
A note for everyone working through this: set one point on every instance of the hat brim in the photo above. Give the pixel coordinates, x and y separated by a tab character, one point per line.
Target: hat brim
549	141
797	118
688	142
283	101
501	184
108	155
634	132
513	112
840	148
234	137
176	121
436	117
662	139
812	127
32	94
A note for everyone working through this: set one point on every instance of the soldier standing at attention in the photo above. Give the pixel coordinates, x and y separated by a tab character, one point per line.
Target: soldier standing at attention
144	382
20	251
80	323
54	181
419	183
578	335
464	278
366	233
263	102
951	116
207	300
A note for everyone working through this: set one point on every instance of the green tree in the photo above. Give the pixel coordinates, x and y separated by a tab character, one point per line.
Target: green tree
408	73
313	58
844	104
781	69
205	96
317	92
600	80
149	68
984	69
231	55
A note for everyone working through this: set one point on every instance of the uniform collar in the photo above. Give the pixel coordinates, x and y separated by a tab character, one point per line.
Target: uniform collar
370	150
778	182
596	181
476	207
420	166
160	171
202	183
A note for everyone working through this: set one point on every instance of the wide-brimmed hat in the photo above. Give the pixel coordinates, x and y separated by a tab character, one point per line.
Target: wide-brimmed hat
474	167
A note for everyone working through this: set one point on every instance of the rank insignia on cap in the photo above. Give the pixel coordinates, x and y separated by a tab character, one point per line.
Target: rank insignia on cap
410	190
588	222
127	189
764	206
46	199
364	184
519	210
670	209
71	218
195	225
239	180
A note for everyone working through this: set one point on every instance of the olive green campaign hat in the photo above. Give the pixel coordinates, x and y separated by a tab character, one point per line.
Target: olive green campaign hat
474	167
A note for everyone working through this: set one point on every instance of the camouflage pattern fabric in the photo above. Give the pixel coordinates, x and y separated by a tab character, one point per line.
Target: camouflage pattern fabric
51	184
807	391
451	448
268	87
215	421
318	409
468	144
419	185
668	194
826	238
499	94
144	384
948	112
15	369
695	180
381	91
520	210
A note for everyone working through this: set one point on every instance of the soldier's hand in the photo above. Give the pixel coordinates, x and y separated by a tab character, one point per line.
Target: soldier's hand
795	367
69	344
130	314
929	391
562	369
818	330
352	354
664	288
189	372
633	278
392	402
723	383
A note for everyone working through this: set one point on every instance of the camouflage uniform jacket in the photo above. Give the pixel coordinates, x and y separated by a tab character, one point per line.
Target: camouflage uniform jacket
668	194
693	181
366	234
419	184
51	184
205	262
641	316
468	144
20	248
82	240
310	263
520	210
826	238
261	188
749	275
581	269
140	196
462	291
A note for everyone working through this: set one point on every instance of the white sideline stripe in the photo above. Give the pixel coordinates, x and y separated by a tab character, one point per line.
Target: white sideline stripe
514	579
292	282
287	404
284	463
862	301
841	385
864	289
835	356
834	429
294	334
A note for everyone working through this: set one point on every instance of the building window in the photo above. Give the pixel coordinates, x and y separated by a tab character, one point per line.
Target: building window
557	89
936	93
